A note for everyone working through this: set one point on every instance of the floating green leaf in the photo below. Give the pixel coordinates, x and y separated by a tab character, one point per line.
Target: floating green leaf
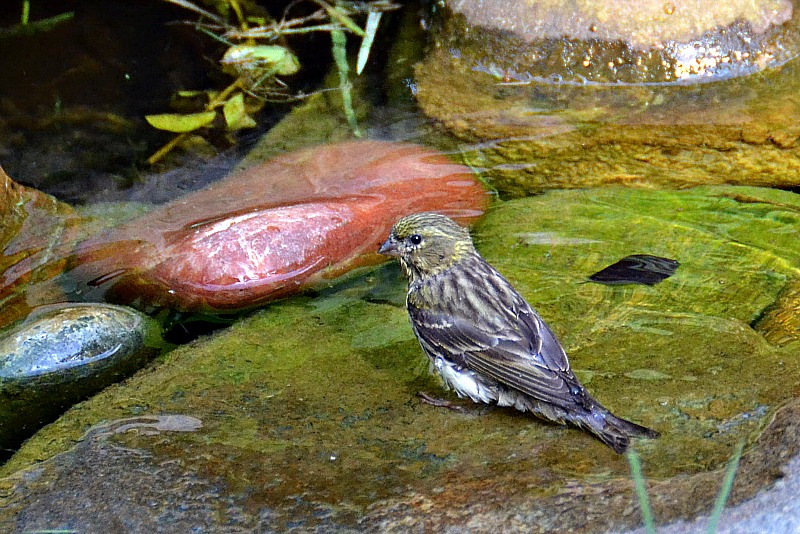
178	123
236	116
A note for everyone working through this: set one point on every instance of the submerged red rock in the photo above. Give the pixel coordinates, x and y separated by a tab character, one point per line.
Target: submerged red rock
35	230
290	223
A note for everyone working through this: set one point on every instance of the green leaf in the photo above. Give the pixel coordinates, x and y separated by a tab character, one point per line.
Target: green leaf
277	58
373	19
191	93
236	116
174	122
288	64
640	485
725	490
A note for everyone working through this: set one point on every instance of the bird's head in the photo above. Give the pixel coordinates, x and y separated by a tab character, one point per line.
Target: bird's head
427	243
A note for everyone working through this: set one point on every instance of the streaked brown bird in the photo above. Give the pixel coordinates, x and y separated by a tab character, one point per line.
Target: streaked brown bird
484	339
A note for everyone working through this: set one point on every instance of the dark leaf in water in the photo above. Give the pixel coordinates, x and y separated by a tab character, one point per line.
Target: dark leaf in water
637	269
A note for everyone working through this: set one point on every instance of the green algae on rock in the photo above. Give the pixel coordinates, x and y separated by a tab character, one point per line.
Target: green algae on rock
535	136
310	421
529	139
780	323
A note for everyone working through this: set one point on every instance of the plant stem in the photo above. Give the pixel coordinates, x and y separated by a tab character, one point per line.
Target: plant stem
26	12
339	40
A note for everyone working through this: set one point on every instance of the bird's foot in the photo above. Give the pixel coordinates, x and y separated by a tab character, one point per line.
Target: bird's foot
440	403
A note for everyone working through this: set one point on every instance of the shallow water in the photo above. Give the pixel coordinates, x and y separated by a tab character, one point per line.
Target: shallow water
309	410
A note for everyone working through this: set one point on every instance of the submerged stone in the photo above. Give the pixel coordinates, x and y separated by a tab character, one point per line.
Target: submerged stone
62	354
560	124
297	221
311	419
648	41
34	231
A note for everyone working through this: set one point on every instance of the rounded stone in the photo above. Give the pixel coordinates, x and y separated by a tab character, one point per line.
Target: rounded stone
62	354
292	223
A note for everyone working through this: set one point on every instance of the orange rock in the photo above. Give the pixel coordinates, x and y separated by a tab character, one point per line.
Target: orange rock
277	228
35	232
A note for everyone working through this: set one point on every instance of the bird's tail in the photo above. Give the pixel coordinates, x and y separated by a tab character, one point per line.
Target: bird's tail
612	430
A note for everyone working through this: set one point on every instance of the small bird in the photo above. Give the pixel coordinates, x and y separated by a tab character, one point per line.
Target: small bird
483	338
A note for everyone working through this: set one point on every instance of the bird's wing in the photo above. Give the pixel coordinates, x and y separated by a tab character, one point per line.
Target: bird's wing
525	355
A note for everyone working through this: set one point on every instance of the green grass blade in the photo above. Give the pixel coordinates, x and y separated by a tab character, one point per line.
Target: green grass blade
641	491
725	490
197	9
373	19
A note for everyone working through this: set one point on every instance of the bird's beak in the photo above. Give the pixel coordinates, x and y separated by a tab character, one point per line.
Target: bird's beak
389	248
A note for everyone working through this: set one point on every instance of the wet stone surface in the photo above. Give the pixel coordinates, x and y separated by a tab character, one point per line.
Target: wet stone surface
603	41
62	354
531	138
296	221
310	418
530	134
35	231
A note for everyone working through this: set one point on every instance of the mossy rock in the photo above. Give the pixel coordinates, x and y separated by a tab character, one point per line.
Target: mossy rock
310	417
536	137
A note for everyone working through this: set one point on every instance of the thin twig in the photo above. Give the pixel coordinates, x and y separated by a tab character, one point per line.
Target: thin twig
191	7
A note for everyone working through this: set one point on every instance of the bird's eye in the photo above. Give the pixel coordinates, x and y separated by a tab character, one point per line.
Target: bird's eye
415	239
